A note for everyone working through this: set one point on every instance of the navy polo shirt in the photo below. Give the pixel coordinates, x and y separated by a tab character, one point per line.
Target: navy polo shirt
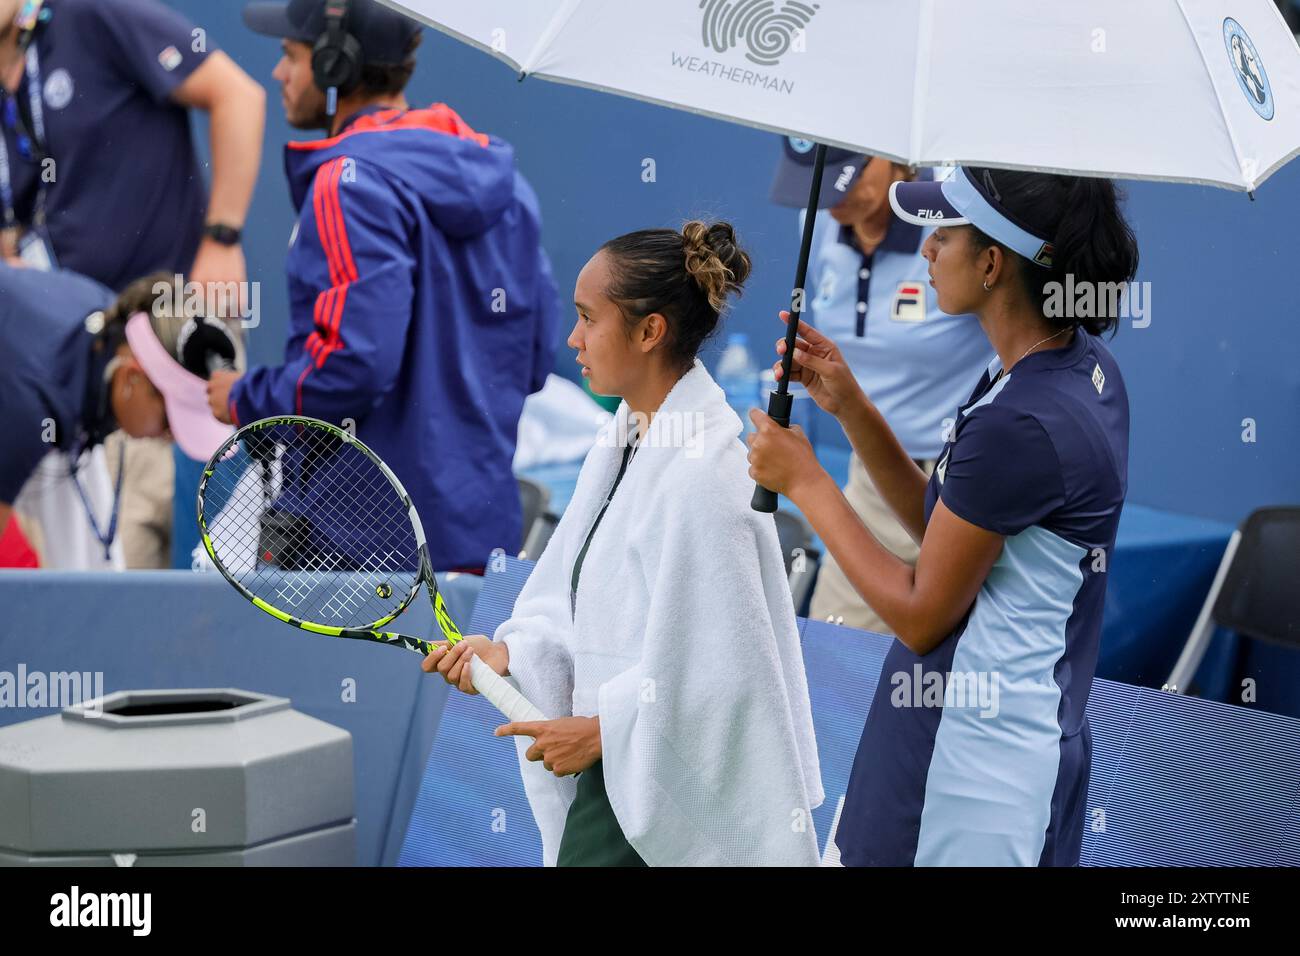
978	752
127	196
45	361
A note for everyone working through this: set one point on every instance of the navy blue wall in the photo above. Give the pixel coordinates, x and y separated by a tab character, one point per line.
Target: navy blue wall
1221	346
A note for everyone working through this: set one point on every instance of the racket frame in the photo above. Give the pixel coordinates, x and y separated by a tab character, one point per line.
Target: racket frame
374	630
501	693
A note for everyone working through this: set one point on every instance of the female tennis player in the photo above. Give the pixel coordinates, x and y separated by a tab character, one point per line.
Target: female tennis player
976	750
657	628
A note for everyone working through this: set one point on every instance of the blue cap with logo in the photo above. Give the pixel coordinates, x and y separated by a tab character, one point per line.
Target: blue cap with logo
384	34
795	169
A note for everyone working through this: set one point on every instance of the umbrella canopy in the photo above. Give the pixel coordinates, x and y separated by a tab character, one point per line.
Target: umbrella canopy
1204	91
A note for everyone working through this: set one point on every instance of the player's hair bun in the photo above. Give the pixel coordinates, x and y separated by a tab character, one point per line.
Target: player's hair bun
714	260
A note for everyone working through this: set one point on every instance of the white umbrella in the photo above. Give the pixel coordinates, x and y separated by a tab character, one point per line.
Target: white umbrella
1204	91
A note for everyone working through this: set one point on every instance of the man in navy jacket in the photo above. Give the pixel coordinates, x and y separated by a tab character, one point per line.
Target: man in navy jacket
422	305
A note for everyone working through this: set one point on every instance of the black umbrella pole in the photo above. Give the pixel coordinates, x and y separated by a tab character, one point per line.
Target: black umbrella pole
779	402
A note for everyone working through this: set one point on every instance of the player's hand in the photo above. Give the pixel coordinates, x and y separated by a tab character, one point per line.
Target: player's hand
820	368
215	268
565	746
220	382
780	459
453	662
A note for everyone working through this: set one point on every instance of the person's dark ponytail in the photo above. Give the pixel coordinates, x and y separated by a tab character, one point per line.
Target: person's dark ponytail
1092	243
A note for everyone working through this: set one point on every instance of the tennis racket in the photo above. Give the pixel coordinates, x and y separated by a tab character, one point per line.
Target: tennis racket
312	527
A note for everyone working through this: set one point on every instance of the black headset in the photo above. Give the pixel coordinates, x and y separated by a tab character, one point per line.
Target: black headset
336	58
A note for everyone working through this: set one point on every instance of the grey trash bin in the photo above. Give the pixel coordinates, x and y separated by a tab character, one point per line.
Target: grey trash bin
177	778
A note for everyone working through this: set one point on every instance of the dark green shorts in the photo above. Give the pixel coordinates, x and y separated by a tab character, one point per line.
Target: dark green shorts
592	836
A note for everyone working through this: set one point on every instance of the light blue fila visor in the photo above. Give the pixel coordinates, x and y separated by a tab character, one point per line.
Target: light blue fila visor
959	201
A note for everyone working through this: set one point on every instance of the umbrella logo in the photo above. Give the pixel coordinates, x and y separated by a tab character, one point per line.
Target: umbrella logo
1248	66
764	29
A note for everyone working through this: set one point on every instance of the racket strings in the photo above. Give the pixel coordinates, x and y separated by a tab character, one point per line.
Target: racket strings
322	535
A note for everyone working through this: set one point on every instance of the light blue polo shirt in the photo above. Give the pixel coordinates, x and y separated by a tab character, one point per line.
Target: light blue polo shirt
916	364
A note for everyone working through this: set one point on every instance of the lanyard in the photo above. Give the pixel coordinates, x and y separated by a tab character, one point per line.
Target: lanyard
105	538
6	186
628	452
34	97
36	139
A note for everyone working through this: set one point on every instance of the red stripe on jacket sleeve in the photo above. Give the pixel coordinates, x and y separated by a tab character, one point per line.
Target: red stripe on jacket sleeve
341	254
331	228
324	222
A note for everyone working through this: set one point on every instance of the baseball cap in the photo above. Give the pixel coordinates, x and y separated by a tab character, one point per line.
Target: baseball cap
384	34
154	342
795	169
963	199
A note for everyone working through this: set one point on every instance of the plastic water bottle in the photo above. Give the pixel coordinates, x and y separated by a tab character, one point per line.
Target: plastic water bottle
738	376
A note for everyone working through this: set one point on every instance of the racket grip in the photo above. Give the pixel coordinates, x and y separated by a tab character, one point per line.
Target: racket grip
500	693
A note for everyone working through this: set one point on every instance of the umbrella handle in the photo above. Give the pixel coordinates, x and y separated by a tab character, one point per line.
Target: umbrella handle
778	409
781	401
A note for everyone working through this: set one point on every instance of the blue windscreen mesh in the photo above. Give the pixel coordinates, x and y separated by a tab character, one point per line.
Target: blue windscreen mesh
1188	782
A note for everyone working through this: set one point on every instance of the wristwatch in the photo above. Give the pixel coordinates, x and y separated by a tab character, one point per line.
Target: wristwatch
226	235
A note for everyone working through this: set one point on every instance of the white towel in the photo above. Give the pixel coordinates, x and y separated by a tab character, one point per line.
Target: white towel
684	643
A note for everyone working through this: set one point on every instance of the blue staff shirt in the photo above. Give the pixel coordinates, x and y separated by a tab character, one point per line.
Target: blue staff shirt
45	362
126	196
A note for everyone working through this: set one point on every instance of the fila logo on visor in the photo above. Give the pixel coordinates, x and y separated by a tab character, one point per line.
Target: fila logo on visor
929	214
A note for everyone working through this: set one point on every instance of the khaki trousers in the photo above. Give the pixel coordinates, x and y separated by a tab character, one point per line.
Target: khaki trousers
834	598
144	522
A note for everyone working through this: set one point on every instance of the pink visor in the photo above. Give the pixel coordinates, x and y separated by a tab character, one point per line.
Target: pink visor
183	392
